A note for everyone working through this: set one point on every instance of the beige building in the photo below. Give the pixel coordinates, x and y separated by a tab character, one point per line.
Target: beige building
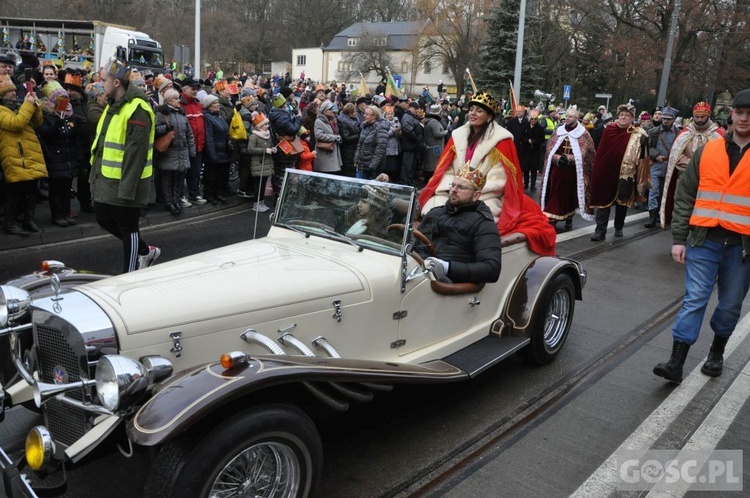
396	43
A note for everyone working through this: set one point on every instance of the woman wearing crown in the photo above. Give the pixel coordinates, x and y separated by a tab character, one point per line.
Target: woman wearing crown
483	146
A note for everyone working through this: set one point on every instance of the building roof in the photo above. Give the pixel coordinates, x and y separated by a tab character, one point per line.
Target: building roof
401	35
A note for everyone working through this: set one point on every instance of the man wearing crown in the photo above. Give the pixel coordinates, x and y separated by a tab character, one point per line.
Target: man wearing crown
483	147
567	171
463	233
613	179
700	130
122	165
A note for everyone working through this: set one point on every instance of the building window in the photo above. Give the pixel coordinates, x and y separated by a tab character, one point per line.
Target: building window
267	68
352	42
301	60
427	67
381	41
404	67
445	69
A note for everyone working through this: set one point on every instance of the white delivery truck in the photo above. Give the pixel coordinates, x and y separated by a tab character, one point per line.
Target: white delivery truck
81	44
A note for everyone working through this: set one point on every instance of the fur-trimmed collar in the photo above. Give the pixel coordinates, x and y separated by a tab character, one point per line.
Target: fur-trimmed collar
494	134
576	132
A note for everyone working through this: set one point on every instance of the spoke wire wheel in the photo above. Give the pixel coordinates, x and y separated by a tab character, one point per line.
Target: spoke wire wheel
264	469
556	321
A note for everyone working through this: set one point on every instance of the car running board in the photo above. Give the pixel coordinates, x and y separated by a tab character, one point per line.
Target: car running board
485	353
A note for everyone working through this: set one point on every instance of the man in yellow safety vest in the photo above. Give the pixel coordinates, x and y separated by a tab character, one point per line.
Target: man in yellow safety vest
122	164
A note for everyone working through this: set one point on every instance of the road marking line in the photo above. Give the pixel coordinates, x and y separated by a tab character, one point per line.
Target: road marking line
588	229
603	481
710	432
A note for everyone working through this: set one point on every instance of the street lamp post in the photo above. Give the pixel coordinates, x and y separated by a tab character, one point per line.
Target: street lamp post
519	50
661	99
197	64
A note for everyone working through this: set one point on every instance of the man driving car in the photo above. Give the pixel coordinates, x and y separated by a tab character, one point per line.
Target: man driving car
463	233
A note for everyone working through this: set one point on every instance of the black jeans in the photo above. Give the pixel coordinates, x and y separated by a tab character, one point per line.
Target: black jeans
59	197
122	222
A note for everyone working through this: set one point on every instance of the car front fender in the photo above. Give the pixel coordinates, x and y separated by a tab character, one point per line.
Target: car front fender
194	394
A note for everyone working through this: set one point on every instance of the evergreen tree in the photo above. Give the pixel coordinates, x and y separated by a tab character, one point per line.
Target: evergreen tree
498	56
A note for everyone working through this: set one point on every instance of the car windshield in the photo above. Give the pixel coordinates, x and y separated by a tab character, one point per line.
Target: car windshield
363	213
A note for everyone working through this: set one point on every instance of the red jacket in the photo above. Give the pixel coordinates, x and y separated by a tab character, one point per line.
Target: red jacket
194	112
306	158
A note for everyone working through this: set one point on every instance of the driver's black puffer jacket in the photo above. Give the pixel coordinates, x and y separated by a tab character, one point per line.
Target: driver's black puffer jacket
467	237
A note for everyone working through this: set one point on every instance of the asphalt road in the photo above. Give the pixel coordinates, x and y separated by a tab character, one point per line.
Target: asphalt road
514	431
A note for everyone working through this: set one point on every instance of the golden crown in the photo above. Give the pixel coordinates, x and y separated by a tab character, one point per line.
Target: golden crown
472	175
485	100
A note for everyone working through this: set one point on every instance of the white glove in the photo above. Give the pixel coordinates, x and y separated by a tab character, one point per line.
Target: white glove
269	151
438	267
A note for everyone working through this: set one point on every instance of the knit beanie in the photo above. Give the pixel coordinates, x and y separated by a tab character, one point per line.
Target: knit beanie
208	100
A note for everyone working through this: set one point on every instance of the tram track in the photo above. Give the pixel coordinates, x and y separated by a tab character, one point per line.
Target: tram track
506	431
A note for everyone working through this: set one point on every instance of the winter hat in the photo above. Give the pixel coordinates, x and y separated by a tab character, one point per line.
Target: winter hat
326	105
376	196
286	92
208	100
435	109
259	119
171	94
6	84
645	116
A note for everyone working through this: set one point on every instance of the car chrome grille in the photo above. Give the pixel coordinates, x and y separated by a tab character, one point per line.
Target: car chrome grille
65	423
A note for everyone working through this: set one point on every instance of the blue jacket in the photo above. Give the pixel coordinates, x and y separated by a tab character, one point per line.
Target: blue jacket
217	139
283	124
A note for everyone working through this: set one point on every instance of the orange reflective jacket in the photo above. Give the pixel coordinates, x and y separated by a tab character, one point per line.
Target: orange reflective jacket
722	199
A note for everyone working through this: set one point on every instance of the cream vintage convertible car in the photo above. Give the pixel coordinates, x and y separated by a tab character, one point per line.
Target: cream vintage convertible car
330	308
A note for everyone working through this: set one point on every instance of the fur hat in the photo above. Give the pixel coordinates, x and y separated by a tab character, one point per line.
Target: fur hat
208	100
629	108
6	84
376	196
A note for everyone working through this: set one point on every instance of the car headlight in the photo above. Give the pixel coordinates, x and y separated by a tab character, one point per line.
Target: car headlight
120	382
14	304
39	447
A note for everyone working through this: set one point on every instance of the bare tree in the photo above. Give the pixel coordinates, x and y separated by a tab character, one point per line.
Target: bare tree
372	55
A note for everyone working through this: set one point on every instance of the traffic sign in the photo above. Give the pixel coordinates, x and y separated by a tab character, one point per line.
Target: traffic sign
603	95
566	92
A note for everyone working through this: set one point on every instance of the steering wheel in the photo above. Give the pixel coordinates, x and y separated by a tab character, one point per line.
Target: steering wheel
417	235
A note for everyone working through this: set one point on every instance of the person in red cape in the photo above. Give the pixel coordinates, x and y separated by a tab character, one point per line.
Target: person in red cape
484	145
613	179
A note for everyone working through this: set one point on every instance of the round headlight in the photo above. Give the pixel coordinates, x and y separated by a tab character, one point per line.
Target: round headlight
14	304
120	382
39	447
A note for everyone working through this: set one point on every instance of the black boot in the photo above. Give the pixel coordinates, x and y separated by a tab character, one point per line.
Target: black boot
715	361
28	220
672	370
11	217
653	221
